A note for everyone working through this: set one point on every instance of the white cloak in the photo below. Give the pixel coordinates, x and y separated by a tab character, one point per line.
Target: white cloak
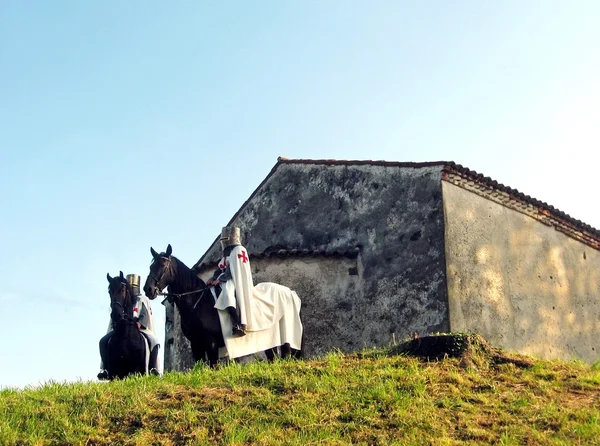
271	312
145	315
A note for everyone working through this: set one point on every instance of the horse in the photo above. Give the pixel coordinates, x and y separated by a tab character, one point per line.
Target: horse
127	348
200	321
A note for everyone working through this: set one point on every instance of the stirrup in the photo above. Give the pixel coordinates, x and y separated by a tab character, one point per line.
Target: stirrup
239	330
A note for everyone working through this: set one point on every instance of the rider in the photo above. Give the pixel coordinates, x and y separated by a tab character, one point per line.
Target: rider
235	277
142	313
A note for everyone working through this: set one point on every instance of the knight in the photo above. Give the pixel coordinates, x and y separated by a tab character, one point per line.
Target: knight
142	314
235	277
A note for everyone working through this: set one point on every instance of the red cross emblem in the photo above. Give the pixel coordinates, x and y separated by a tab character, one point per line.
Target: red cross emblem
243	257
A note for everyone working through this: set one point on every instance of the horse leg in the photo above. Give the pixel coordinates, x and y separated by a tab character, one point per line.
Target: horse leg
213	356
271	353
286	351
199	352
297	354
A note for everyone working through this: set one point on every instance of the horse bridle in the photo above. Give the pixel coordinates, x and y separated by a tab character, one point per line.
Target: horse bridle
164	271
170	296
119	304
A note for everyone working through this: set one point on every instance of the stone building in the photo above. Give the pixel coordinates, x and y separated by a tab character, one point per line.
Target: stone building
378	251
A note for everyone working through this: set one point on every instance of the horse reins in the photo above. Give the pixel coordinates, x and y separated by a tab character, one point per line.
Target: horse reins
176	295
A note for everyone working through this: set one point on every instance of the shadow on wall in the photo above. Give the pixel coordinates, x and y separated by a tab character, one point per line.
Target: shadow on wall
523	285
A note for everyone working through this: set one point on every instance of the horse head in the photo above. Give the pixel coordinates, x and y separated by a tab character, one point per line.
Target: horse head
162	272
121	297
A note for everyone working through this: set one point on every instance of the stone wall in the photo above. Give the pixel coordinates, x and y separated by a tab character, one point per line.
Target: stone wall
393	215
432	257
520	283
177	353
330	289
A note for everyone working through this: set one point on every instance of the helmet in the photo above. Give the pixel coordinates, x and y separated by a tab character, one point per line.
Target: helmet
230	236
134	281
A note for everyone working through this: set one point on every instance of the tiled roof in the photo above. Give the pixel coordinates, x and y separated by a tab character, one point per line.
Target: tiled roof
286	253
478	183
282	160
350	253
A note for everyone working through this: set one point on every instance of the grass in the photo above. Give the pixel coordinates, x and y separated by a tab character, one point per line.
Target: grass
373	397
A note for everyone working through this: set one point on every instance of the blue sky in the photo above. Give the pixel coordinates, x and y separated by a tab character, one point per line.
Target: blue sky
123	123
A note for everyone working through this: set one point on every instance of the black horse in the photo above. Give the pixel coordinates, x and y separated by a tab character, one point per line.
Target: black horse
199	318
127	348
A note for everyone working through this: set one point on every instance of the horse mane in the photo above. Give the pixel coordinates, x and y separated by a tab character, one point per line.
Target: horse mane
185	278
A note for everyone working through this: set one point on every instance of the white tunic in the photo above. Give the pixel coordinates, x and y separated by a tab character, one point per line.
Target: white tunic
271	312
143	311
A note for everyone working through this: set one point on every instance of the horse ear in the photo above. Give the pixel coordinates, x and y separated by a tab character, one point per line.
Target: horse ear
154	253
121	274
108	278
169	250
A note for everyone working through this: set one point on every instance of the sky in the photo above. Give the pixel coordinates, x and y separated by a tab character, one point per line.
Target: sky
130	125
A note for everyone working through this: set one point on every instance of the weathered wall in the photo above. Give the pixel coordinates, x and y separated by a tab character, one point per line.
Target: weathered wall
521	284
393	214
330	289
178	353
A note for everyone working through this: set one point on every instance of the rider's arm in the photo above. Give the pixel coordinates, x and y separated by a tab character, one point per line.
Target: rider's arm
213	281
221	275
216	275
144	314
225	276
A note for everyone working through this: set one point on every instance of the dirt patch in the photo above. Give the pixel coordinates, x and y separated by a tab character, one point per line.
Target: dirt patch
470	348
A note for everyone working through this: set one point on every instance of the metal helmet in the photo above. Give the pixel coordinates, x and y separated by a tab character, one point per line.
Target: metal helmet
230	236
134	281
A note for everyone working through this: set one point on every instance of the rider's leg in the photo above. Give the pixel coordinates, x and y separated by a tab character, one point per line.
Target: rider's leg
103	358
238	328
154	346
153	365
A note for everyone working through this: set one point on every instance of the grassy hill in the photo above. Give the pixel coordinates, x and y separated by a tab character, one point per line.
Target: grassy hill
473	395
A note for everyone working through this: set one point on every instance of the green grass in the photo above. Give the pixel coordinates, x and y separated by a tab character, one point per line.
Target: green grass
373	397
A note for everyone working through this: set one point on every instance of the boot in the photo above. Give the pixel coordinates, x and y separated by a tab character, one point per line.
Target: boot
103	344
153	362
239	329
